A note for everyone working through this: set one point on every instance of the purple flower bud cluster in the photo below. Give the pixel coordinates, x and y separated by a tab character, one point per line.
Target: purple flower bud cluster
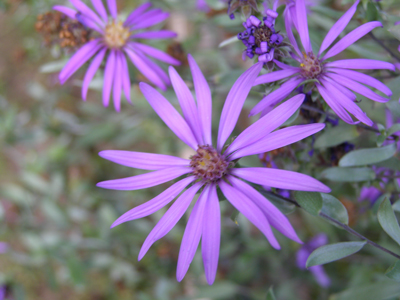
260	38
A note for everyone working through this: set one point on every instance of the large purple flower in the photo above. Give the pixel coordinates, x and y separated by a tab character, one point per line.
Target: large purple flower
116	40
335	80
213	167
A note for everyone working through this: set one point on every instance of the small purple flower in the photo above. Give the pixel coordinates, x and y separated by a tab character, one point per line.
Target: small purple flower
369	194
335	80
303	254
202	5
213	167
3	247
117	40
2	292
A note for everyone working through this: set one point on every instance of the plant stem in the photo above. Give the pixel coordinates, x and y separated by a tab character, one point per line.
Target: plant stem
344	226
384	47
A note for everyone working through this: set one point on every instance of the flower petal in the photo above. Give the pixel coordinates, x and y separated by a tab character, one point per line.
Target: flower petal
361	63
71	13
261	128
289	32
278	139
169	115
151	21
137	12
94	66
192	234
144	161
338	27
275	76
204	101
351	38
108	77
211	235
275	217
234	103
281	179
112	7
154	204
117	82
276	96
144	180
157	54
86	11
98	5
126	81
251	211
170	218
302	25
161	34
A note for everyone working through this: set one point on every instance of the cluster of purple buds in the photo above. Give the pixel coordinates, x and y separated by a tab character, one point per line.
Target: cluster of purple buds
260	38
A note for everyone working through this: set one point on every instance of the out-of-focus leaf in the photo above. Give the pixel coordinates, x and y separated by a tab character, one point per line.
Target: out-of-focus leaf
311	202
332	252
35	182
336	135
393	129
367	156
334	208
284	206
76	269
392	163
270	294
396	206
371	13
395	31
348	174
388	221
373	291
394	271
53	66
229	41
219	290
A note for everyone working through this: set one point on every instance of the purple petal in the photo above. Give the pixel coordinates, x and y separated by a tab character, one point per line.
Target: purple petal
154	204
98	5
346	91
148	14
170	218
117	82
144	180
112	7
278	139
357	87
251	211
301	14
276	96
151	21
211	235
126	81
271	121
361	63
351	38
135	13
86	11
161	34
187	104
145	69
144	161
157	54
281	179
192	234
94	66
289	32
108	77
71	13
88	22
78	59
169	115
320	276
285	66
275	76
234	103
338	27
275	217
336	107
204	101
363	78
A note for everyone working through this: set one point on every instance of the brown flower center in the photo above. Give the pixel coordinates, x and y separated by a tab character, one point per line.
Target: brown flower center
311	67
116	35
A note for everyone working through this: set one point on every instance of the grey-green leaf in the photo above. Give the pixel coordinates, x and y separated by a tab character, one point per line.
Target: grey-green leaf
367	156
270	294
311	202
332	252
388	220
374	291
394	271
334	208
348	174
336	135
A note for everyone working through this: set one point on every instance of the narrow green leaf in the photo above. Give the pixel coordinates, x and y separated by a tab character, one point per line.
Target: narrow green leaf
394	271
387	289
334	208
311	202
348	174
367	156
388	220
336	135
332	252
396	206
228	41
270	294
393	129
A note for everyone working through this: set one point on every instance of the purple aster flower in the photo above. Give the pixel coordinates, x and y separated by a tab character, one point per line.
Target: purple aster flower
369	194
304	252
336	81
2	292
117	40
213	167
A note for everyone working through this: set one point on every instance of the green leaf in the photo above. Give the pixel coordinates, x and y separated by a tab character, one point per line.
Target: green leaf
381	139
228	41
334	208
284	206
373	291
348	174
396	206
392	163
371	13
367	156
393	129
336	135
394	271
332	252
395	31
311	202
270	294
388	220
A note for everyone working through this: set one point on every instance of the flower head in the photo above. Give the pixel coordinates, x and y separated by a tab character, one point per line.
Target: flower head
336	81
213	167
117	40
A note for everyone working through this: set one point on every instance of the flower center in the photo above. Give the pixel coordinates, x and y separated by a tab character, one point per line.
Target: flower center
208	164
116	34
311	67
